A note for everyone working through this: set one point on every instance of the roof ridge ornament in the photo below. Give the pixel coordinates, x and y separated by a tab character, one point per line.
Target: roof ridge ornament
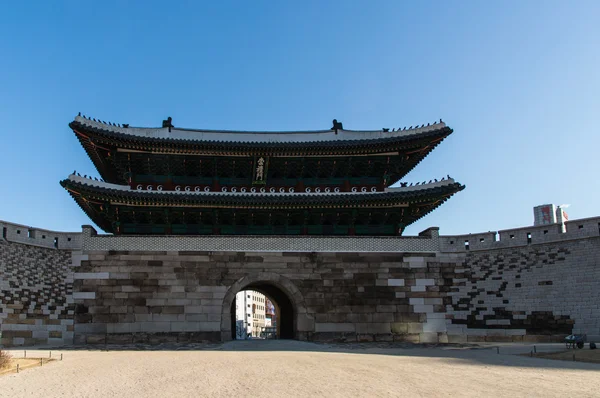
337	126
168	123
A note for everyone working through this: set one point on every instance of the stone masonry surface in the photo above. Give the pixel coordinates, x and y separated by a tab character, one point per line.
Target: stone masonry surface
533	283
36	302
181	296
549	289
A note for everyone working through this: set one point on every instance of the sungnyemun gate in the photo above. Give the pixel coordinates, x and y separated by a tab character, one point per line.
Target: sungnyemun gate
306	217
314	220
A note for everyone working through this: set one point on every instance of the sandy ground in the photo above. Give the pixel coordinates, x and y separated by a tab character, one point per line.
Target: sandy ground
297	369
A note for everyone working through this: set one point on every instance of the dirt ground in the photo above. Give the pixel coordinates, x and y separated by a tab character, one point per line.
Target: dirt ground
296	369
24	363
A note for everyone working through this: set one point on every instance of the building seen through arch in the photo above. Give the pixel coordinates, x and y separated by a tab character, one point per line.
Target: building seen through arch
255	316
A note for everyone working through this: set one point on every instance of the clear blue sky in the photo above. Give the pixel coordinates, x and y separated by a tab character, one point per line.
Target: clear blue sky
518	81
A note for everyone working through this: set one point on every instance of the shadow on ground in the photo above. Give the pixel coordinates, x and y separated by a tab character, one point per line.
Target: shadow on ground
465	354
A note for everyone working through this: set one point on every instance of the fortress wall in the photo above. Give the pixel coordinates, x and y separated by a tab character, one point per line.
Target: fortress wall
527	292
40	237
36	300
420	289
518	237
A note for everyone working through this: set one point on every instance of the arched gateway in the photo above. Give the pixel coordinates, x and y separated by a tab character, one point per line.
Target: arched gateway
279	289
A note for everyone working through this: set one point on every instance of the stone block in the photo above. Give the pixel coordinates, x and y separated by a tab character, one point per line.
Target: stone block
498	339
84	295
156	302
95	339
196	317
119	338
477	332
399	328
395	282
383	317
408	338
173	309
379	328
168	317
417	308
120	309
90	328
434	326
209	326
457	338
155	327
41	334
426	337
496	332
91	275
414	328
475	339
384	337
334	327
364	338
385	308
185	326
211	309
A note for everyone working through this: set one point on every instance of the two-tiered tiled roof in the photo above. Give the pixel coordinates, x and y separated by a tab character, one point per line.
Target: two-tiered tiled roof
222	202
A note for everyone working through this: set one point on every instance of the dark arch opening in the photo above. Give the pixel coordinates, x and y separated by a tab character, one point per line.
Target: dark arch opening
286	316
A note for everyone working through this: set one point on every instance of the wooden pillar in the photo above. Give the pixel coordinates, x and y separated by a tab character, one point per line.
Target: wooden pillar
304	223
216	225
351	227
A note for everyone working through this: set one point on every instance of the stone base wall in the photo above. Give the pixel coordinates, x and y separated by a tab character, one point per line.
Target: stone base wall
343	296
36	301
527	293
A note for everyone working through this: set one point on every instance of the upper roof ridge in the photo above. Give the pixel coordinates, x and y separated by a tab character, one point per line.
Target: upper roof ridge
178	133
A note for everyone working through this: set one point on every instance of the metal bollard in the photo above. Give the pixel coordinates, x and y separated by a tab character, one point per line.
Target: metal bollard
50	354
17	368
41	362
25	355
61	357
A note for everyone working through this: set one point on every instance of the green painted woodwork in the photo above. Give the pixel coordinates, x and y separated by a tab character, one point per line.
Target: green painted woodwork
281	171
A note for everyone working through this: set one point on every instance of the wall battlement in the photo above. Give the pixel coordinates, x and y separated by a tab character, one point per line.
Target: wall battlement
517	237
427	241
19	233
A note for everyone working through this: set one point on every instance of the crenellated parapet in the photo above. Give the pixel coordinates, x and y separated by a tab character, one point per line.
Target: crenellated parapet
33	236
517	237
428	240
